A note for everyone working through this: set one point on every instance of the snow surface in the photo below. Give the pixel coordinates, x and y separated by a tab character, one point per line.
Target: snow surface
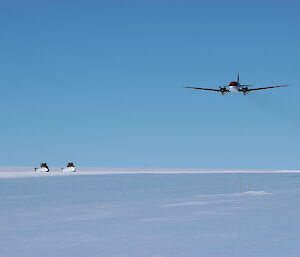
41	169
18	172
69	169
144	212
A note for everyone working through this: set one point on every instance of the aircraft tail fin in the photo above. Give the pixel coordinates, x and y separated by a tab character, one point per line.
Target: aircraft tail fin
238	78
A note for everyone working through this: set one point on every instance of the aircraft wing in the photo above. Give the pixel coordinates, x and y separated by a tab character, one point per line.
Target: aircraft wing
263	88
207	89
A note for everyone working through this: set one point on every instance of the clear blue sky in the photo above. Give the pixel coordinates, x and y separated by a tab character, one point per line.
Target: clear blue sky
100	83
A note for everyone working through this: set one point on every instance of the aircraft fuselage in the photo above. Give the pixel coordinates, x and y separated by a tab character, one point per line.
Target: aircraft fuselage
234	87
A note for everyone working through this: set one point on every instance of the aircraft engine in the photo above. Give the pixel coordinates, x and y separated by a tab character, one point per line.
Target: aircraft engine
223	90
245	90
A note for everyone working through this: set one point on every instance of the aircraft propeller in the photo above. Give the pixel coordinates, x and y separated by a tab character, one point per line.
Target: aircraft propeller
245	90
222	90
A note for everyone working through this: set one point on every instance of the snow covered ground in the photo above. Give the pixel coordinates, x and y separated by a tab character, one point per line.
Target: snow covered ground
149	212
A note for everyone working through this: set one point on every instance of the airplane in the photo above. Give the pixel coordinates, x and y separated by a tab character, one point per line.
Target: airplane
234	87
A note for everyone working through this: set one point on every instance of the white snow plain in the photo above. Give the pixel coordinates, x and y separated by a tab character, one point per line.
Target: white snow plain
149	213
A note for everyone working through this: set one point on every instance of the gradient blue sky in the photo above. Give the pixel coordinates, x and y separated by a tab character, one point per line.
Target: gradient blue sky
100	83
